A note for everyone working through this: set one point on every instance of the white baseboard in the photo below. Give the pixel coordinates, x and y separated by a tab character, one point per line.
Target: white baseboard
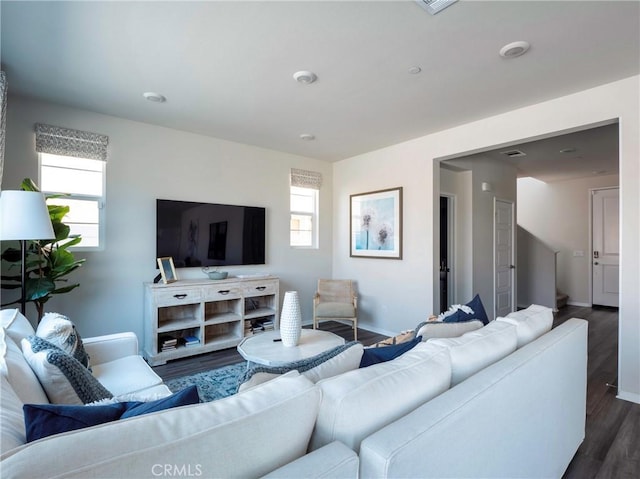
366	327
582	305
372	329
627	396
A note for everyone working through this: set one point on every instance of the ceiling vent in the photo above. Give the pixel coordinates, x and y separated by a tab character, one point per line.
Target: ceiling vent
514	153
435	6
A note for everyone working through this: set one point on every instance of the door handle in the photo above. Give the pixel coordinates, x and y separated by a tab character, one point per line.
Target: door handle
596	263
512	266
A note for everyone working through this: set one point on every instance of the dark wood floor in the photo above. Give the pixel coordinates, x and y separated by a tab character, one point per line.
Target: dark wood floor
611	448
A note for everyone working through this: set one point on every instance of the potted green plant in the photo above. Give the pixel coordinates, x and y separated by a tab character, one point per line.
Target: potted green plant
48	261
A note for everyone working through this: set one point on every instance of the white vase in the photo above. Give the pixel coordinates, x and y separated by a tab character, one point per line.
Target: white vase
290	319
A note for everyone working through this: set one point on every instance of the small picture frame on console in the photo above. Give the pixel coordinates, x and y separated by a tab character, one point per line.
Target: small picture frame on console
167	270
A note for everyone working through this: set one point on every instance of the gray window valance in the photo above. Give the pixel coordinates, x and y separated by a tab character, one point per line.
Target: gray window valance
306	179
63	141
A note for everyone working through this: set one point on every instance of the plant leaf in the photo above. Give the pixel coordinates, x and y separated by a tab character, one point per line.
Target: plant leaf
38	288
29	185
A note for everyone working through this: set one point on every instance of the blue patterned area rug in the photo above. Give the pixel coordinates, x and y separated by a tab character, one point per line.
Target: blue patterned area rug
215	384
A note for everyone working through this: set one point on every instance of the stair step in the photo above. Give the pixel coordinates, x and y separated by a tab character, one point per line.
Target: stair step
561	299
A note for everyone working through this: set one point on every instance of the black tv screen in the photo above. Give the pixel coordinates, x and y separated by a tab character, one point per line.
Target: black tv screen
208	234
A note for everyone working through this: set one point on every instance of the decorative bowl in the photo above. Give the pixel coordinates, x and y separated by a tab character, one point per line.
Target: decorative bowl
215	274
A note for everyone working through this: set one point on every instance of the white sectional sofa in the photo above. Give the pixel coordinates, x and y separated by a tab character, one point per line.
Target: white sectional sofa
517	409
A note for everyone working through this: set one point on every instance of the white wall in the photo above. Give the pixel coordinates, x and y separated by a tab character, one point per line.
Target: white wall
567	229
536	271
148	162
502	178
459	184
399	293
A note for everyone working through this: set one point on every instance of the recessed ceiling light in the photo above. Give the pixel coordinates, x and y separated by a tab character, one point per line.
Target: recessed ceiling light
154	97
414	70
305	77
514	49
307	137
568	150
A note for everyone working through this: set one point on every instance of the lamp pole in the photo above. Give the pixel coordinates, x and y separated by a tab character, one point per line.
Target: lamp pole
23	281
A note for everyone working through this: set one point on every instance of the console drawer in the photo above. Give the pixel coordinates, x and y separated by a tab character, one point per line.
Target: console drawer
260	288
177	296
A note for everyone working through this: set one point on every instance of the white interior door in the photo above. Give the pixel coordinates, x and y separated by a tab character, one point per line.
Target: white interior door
503	257
605	210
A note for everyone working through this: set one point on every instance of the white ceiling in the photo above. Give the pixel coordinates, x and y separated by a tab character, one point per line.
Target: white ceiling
226	67
587	153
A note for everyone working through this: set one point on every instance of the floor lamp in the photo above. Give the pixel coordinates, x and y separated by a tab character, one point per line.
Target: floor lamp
24	216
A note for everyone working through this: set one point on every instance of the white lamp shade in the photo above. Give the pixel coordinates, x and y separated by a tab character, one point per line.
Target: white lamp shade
24	216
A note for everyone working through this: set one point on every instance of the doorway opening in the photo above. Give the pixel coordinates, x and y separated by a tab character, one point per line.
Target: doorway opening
447	209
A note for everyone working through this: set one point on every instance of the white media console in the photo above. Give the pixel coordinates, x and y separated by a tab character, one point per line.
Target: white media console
204	315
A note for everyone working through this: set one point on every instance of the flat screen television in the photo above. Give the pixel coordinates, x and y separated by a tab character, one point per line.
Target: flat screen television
209	234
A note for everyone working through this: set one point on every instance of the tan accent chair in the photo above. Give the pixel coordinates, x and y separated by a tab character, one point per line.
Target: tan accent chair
336	300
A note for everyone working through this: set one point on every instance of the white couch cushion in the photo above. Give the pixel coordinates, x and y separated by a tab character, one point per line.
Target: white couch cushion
476	350
18	373
16	325
11	418
126	375
531	323
359	402
440	329
246	435
334	460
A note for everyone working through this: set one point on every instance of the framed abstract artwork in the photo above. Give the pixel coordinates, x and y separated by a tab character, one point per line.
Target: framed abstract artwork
376	224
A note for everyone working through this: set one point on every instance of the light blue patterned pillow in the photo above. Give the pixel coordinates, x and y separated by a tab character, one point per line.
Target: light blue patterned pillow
63	378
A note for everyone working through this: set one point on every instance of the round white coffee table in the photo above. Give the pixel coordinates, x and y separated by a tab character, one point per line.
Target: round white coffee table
262	348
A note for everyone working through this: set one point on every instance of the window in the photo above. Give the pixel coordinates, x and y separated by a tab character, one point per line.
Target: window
304	214
82	179
72	163
305	186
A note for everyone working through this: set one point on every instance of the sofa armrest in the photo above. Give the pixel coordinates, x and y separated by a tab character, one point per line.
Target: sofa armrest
333	460
102	349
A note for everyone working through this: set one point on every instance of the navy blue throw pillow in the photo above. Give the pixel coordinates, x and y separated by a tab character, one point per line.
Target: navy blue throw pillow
386	353
478	313
42	420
